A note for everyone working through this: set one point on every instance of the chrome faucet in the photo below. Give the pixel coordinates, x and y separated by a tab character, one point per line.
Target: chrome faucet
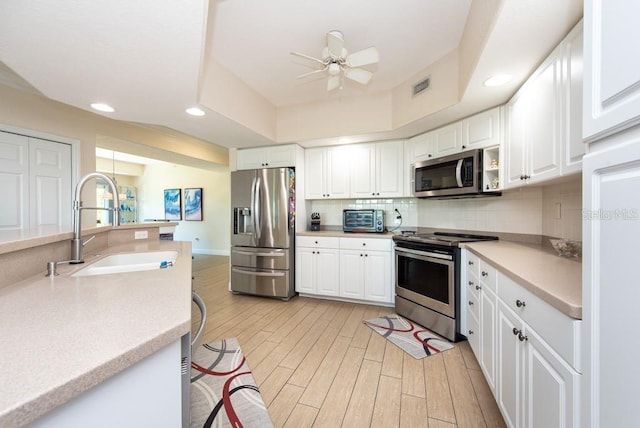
77	243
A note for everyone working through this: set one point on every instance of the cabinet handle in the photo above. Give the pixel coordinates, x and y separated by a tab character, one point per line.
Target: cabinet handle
470	303
478	287
520	304
515	331
522	337
484	273
470	331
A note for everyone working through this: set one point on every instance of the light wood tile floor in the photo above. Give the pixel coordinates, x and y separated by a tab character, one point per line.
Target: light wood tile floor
318	365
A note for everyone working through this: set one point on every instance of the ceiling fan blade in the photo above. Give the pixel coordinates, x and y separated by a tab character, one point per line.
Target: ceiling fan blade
335	43
333	82
311	73
363	57
358	75
307	57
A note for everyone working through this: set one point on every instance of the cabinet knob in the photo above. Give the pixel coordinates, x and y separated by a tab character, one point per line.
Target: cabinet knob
485	273
478	287
429	155
313	252
522	337
328	195
316	242
366	255
470	303
470	282
378	194
360	255
515	331
470	331
373	194
364	244
520	304
470	263
464	147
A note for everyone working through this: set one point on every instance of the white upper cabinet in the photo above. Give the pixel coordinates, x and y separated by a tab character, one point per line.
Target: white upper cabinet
377	170
447	140
542	119
574	147
481	130
327	173
475	132
612	67
267	157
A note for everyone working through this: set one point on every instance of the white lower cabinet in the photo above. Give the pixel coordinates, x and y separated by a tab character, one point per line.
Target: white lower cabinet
537	388
345	268
317	266
526	348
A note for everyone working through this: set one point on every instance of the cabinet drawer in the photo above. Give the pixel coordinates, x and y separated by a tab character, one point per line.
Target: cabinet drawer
560	331
488	275
473	284
473	263
374	244
472	304
317	241
473	333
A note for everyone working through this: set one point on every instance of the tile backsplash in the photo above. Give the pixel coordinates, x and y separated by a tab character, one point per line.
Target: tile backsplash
527	210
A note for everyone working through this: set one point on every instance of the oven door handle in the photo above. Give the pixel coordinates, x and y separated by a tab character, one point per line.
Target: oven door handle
459	172
424	254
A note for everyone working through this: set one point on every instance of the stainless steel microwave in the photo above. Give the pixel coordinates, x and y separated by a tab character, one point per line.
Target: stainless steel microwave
454	176
363	221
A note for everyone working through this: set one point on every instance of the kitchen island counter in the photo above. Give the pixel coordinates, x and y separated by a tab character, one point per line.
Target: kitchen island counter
63	335
556	280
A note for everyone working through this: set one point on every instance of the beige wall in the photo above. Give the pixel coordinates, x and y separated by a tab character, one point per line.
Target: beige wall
210	236
34	113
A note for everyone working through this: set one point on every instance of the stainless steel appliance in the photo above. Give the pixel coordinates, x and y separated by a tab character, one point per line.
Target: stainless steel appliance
263	232
363	221
455	176
428	279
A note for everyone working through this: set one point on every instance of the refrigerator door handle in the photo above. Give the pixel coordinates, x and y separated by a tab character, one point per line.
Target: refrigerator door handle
260	254
256	273
254	209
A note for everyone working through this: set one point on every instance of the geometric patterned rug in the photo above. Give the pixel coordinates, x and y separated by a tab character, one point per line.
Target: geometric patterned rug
223	390
412	338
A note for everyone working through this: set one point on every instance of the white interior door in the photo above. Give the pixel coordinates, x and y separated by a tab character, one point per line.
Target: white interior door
49	183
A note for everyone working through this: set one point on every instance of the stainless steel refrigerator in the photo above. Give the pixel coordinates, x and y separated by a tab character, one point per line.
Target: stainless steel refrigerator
263	232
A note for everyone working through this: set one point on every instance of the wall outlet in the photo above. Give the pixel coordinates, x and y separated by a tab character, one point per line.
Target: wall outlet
141	234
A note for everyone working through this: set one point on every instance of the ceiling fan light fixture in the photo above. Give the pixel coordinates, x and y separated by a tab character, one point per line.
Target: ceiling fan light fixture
334	69
497	80
195	111
105	108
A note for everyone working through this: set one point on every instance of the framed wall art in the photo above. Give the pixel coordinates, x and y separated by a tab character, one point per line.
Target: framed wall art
193	204
172	204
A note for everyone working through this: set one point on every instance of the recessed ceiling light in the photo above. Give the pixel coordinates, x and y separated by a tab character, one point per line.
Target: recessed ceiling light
497	80
102	107
195	111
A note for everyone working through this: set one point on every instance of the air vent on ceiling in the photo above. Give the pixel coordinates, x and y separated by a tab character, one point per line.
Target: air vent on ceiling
421	86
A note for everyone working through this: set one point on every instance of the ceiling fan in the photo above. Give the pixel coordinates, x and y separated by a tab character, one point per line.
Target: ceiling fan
338	62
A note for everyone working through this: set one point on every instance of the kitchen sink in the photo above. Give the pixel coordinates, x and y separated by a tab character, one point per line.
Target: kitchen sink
129	262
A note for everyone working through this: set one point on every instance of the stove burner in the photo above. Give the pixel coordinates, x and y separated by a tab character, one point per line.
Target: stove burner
448	239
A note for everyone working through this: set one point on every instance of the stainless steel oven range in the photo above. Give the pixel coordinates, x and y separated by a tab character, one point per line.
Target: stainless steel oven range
428	279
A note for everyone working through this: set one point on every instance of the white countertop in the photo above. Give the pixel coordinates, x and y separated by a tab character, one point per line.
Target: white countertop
63	335
341	234
556	280
15	240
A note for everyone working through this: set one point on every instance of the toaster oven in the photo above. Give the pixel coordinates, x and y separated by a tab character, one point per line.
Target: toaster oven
363	221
